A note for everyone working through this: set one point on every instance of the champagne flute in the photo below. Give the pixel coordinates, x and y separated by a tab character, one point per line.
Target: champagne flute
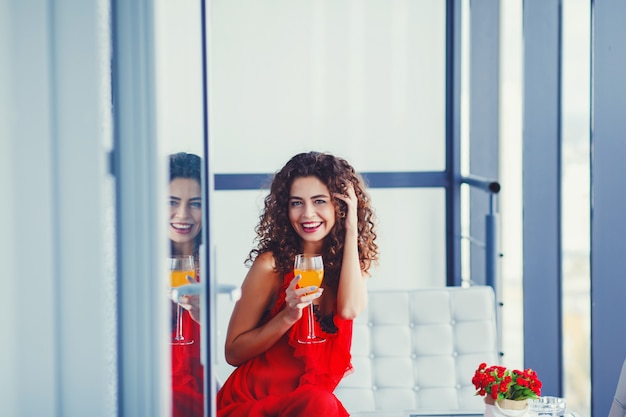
180	268
311	271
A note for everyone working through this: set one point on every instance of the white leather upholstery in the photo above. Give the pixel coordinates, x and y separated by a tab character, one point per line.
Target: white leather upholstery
618	407
415	352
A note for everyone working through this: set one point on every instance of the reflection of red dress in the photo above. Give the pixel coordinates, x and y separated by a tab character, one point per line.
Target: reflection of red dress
187	373
290	379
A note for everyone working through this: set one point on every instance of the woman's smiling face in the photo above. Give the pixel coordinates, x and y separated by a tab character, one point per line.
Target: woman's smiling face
185	211
311	211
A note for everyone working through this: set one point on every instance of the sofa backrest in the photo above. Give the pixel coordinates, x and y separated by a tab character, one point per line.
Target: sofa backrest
418	350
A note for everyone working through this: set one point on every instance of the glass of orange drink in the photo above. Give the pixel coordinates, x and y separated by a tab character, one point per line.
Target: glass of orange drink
311	271
181	267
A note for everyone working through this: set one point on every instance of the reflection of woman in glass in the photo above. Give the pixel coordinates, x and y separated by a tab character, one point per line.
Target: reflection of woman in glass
185	225
317	205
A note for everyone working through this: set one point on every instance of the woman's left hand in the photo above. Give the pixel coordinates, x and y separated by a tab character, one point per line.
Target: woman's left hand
349	197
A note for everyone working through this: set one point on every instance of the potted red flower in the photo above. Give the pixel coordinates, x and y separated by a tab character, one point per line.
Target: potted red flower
506	389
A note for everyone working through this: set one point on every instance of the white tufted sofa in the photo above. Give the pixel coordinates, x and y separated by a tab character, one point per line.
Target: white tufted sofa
415	352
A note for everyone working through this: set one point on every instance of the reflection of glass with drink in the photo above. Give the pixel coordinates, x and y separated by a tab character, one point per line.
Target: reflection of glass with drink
311	271
181	267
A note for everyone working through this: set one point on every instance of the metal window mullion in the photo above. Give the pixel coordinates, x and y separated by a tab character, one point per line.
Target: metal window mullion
541	164
608	222
453	142
484	110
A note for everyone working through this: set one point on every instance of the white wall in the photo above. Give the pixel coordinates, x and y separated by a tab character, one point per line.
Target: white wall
364	80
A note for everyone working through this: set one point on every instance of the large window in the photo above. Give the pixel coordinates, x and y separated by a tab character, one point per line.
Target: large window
362	80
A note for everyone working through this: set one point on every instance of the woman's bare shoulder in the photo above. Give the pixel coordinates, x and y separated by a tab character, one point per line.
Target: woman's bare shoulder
263	271
265	261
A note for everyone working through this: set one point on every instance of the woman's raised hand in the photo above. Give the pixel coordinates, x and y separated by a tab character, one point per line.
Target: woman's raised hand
349	197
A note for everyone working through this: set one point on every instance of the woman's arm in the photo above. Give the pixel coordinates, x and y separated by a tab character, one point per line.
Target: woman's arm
245	339
352	291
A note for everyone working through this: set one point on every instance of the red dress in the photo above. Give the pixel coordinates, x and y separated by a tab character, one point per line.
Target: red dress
290	379
187	373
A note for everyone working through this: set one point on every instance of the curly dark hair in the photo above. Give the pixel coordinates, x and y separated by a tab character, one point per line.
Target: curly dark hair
275	233
187	165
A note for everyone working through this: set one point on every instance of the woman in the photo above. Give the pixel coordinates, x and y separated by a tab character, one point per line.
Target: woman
185	227
317	205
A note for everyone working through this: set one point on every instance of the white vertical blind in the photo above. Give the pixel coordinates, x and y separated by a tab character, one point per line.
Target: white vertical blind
54	170
144	355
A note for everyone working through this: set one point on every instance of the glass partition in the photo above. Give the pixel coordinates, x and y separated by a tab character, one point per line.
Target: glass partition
180	131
